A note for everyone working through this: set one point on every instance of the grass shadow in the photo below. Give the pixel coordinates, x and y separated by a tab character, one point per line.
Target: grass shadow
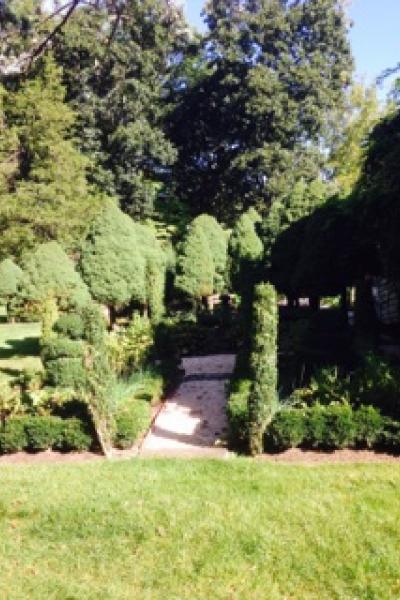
28	346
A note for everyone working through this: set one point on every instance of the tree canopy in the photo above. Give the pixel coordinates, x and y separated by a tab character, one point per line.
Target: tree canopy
44	194
273	73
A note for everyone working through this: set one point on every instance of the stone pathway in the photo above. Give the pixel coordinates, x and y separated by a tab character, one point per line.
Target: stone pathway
193	421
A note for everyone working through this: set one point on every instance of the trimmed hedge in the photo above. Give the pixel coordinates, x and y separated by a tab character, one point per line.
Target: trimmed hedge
66	373
238	414
263	365
70	325
131	420
332	427
13	436
37	433
287	430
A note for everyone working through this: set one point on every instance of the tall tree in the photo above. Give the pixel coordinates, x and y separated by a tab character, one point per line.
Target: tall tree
276	68
116	69
44	194
363	113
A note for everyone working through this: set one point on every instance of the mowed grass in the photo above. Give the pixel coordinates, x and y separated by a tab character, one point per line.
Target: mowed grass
19	347
194	530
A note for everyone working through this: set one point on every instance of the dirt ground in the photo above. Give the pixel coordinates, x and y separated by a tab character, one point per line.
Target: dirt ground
313	457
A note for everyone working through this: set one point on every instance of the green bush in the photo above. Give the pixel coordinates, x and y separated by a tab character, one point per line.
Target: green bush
49	271
195	273
238	414
390	437
13	436
74	436
330	427
129	348
67	373
61	347
369	426
42	433
263	364
287	430
131	420
377	383
340	429
70	325
10	276
111	263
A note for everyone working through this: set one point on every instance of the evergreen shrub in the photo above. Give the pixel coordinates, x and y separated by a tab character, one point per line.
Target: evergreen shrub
337	430
62	347
287	430
70	325
74	436
13	436
42	432
66	373
238	415
195	265
263	365
38	433
131	420
369	425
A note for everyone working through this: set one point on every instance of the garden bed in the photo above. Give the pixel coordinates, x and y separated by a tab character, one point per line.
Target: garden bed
314	457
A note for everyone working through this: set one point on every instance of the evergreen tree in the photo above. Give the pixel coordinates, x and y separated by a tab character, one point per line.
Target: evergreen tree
44	192
49	273
245	250
348	157
155	270
115	70
217	240
112	263
275	71
195	265
10	277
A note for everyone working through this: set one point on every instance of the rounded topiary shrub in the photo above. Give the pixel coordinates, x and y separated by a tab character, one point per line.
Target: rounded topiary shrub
66	373
43	432
131	420
13	436
369	426
74	436
62	348
70	325
330	427
287	430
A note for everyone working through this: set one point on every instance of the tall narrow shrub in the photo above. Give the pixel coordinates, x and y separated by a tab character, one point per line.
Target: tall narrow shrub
217	240
263	364
195	267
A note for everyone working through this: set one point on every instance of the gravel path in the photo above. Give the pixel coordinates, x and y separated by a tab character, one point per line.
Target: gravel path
193	421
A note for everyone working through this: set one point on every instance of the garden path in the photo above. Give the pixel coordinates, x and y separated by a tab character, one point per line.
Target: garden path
192	422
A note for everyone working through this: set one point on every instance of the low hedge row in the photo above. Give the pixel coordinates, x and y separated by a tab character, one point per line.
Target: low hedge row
332	427
34	433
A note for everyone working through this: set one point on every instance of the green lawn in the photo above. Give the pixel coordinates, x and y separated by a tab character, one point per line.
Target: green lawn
19	347
194	530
